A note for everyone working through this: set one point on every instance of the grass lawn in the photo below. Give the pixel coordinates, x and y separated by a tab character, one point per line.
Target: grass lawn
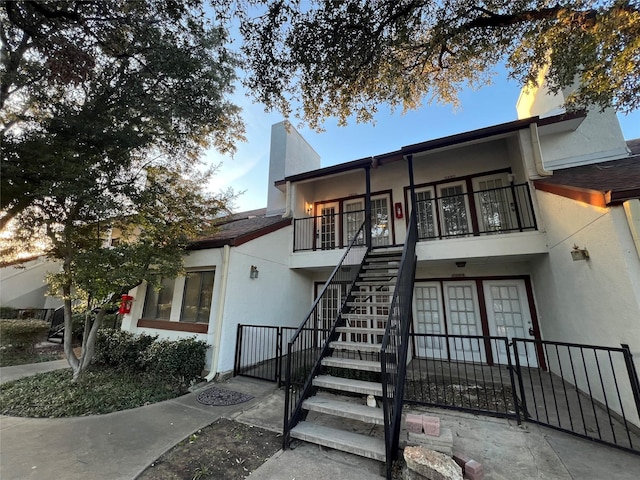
99	390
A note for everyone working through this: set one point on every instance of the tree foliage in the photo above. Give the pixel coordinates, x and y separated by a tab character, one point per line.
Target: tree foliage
156	73
326	58
105	109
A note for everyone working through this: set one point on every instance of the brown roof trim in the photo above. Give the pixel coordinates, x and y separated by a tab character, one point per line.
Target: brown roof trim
617	197
584	195
397	155
240	239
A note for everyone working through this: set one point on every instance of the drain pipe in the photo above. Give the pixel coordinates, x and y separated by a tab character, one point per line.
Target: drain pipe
537	151
226	253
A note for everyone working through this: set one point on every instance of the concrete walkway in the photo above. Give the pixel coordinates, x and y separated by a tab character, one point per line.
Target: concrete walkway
121	445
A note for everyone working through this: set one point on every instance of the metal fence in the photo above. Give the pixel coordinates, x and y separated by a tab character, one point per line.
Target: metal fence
394	348
496	210
328	231
259	351
310	341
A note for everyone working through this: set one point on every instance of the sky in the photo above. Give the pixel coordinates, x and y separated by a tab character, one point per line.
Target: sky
248	170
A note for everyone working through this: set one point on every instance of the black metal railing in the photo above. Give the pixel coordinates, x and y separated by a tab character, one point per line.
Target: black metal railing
260	351
588	390
310	341
497	210
393	351
457	372
328	231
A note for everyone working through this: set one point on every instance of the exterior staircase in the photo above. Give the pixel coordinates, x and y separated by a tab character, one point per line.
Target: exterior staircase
337	415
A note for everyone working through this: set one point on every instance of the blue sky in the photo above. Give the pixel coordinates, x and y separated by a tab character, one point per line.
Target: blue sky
248	170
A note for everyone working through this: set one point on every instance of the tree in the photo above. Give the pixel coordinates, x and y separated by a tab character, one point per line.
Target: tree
326	58
171	70
105	109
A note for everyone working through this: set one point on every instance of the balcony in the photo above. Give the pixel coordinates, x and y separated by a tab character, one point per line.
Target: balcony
456	214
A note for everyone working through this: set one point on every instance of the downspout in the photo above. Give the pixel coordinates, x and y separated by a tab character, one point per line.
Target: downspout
537	151
226	253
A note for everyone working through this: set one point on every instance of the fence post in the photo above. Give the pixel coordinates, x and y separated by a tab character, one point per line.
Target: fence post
236	363
279	356
633	375
518	369
514	393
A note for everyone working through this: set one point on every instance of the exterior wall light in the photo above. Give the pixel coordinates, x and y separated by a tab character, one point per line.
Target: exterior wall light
254	272
578	253
461	264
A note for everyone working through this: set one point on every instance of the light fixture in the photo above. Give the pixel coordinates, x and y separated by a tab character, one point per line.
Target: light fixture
254	272
461	264
578	253
309	208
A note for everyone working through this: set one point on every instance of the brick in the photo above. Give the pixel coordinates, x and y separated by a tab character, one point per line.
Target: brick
473	470
431	425
414	423
461	459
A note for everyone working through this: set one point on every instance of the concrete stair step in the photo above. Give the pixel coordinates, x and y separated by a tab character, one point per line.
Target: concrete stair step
364	316
348	385
361	330
362	445
386	259
378	275
351	364
380	266
343	409
375	283
355	346
368	304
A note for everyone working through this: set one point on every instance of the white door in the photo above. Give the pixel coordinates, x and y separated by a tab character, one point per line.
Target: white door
428	318
328	228
454	210
494	204
380	222
426	213
509	316
463	318
352	219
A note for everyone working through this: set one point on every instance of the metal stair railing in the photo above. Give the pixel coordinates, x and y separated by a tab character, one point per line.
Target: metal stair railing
310	343
393	353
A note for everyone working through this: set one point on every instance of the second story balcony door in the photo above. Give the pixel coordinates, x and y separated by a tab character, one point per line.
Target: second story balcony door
495	205
380	228
454	210
352	218
328	233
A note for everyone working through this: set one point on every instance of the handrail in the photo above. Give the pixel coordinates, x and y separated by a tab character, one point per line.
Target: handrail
310	342
393	353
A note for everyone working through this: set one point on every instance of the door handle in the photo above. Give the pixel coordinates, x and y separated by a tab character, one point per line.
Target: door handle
531	332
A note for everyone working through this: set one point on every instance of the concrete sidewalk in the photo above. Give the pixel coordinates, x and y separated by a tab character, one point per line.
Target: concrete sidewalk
121	445
8	374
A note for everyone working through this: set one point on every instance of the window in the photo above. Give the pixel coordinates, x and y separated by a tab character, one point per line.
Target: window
196	301
157	304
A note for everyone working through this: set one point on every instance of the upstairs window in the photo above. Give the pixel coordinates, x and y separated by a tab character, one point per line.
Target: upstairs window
196	301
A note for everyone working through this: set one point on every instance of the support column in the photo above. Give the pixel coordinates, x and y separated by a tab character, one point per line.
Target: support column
367	206
412	187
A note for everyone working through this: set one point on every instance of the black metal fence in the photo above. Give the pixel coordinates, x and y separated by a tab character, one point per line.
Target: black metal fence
453	373
588	390
328	231
496	210
259	351
310	342
393	352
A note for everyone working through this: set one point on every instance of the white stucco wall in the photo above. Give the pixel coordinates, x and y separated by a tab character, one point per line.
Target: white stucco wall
595	301
290	154
279	296
25	286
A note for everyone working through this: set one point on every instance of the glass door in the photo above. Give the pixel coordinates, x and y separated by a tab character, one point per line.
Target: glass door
463	318
380	228
494	204
328	233
454	216
353	218
428	318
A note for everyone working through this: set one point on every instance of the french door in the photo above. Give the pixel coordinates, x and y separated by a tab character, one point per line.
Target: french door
452	307
454	210
353	218
494	204
509	316
380	222
426	213
328	231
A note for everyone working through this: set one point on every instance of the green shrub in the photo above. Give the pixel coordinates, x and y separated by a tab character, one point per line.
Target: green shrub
180	360
8	312
120	349
22	334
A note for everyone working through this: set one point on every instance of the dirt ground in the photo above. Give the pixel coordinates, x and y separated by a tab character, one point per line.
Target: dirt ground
224	450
